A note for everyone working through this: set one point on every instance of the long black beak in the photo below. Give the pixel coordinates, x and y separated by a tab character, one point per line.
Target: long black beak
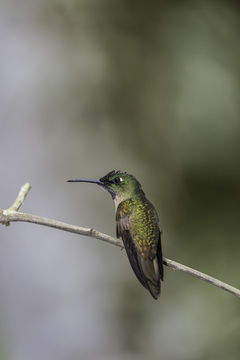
93	181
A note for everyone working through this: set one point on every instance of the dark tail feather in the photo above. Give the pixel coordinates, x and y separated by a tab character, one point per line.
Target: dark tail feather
151	271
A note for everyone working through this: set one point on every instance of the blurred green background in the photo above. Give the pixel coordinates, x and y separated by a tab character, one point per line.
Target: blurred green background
151	88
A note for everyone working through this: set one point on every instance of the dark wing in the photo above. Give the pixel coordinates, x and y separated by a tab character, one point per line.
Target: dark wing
159	256
123	231
146	264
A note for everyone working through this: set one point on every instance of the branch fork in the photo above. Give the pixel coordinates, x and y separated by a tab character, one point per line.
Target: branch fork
4	214
12	214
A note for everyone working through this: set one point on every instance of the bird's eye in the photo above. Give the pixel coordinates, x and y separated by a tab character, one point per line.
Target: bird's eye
117	180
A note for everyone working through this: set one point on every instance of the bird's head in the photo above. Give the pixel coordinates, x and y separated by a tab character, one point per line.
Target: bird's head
120	185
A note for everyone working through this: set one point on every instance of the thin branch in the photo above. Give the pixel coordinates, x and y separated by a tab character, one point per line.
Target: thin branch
19	200
12	214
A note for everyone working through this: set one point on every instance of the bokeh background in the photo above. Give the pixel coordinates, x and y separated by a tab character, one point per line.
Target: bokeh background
147	87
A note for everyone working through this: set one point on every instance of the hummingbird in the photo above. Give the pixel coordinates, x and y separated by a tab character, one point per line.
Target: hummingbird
138	226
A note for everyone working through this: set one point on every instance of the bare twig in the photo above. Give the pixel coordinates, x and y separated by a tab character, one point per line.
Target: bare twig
12	214
19	200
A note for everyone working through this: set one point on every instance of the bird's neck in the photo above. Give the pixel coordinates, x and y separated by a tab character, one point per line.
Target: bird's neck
119	199
123	197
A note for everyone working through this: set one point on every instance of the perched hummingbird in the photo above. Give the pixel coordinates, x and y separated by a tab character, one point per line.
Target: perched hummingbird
137	225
